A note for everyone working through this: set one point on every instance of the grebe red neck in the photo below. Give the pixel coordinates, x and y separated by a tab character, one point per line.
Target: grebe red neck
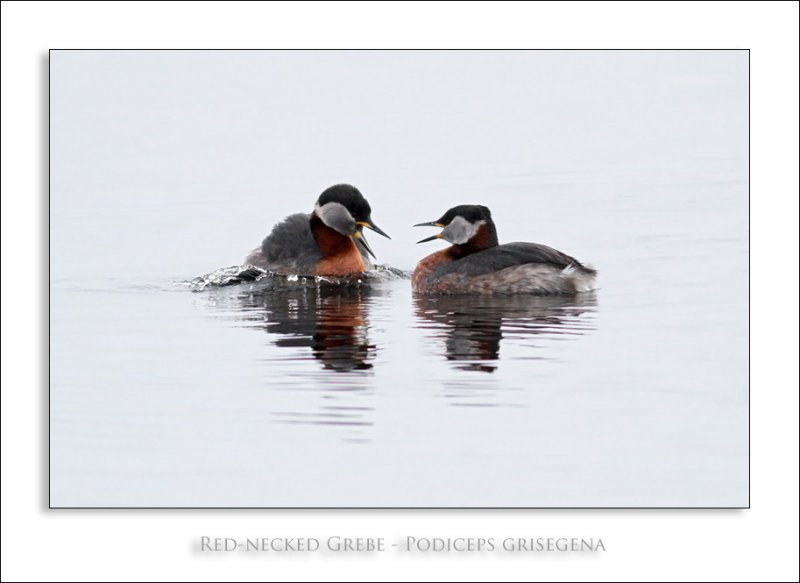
340	256
330	242
484	237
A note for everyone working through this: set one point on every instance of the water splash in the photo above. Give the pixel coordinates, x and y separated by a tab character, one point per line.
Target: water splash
238	274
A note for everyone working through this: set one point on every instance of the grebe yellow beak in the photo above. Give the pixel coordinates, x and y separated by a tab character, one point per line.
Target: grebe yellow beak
431	238
430	224
370	225
361	240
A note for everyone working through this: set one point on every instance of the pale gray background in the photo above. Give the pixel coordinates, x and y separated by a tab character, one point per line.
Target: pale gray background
166	165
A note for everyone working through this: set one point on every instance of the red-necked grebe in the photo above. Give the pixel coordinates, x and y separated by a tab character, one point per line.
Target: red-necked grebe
329	241
477	264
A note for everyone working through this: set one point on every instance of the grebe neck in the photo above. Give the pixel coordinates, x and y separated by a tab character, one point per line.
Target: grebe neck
484	238
330	241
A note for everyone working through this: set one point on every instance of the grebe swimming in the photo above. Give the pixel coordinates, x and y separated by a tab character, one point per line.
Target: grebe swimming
477	264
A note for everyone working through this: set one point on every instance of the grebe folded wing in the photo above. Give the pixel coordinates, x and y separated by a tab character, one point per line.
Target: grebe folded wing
289	245
287	237
509	255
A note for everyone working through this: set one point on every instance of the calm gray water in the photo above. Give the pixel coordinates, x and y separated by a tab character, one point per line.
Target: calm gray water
168	165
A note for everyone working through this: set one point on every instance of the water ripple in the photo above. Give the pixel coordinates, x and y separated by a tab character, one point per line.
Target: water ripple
472	328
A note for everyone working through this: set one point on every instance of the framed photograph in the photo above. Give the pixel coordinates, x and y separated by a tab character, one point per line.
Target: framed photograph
241	316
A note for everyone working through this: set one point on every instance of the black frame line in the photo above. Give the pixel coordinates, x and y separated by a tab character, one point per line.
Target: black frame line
749	283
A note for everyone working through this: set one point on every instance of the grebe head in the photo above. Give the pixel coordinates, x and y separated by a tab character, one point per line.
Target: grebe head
468	225
345	210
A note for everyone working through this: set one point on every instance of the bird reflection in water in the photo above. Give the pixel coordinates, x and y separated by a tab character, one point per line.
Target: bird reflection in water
472	327
327	323
331	320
